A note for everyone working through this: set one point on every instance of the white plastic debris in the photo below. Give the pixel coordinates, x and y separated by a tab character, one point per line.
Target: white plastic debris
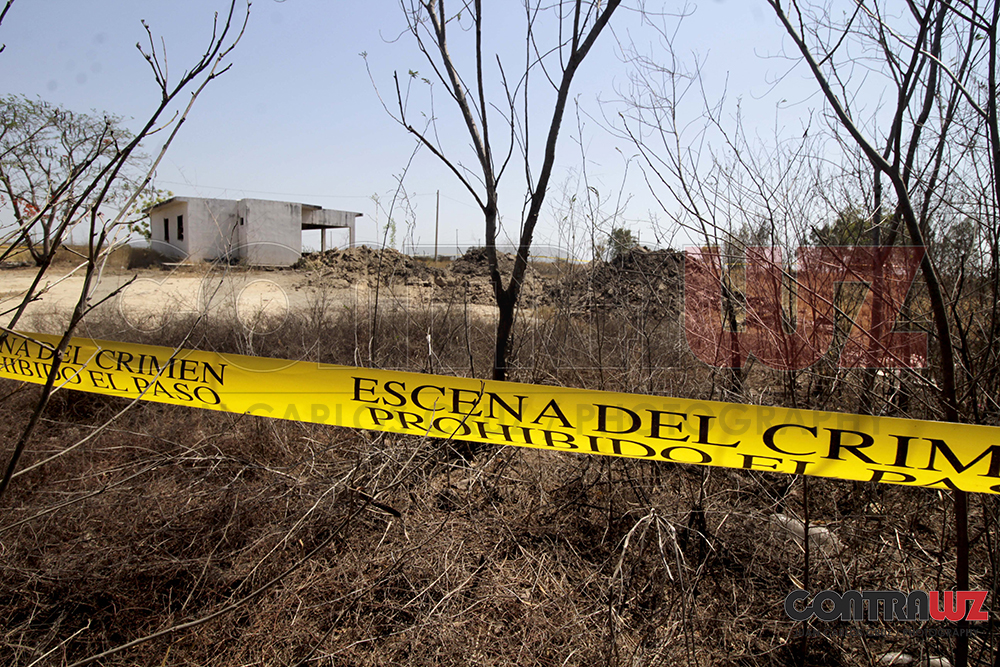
937	661
820	537
897	658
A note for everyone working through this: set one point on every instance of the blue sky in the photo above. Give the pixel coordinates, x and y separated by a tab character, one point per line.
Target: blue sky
297	116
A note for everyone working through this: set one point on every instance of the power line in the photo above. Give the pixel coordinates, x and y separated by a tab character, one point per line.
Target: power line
302	195
260	192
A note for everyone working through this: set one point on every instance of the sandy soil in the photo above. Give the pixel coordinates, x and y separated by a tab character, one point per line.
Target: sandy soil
262	299
259	299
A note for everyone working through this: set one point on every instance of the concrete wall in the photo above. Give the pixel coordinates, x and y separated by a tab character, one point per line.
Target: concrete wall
213	229
208	226
271	233
159	239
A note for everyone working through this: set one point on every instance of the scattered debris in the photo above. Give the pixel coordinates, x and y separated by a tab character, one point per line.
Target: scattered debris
641	279
362	265
895	658
898	658
936	661
475	263
819	536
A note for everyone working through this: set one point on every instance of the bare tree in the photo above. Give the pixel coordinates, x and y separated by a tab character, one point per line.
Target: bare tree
731	192
939	60
78	196
577	26
3	14
910	106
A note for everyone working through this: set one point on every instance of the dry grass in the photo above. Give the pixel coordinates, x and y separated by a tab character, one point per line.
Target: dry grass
518	557
71	256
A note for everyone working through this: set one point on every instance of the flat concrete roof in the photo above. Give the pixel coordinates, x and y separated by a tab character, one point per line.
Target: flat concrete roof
305	207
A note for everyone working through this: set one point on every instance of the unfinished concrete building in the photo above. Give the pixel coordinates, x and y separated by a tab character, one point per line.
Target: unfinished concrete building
258	232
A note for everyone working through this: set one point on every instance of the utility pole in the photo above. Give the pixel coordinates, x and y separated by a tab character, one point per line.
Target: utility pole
437	219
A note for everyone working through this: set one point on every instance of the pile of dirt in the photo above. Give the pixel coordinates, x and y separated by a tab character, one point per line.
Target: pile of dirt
364	265
650	280
475	263
642	261
472	272
639	279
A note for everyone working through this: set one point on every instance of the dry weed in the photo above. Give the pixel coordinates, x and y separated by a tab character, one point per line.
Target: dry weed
169	516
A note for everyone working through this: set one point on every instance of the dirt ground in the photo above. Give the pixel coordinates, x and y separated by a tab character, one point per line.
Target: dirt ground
259	298
146	296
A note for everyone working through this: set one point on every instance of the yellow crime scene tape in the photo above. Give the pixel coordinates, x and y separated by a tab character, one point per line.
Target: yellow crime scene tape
806	442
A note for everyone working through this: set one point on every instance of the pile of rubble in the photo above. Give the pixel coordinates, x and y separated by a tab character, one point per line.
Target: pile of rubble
475	263
645	279
366	266
472	270
641	279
